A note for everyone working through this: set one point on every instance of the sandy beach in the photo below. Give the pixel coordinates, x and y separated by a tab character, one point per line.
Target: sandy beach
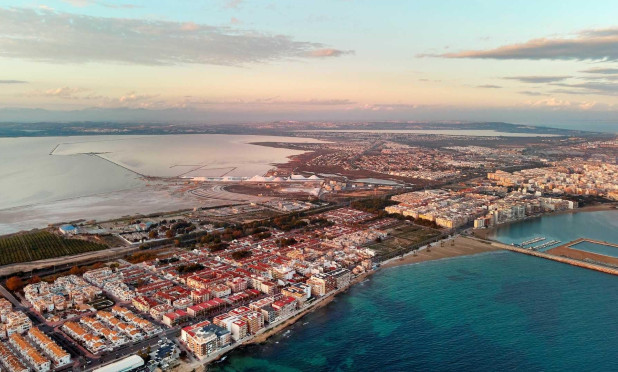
462	247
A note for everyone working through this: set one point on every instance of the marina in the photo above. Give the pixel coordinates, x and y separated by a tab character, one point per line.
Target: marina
587	264
545	245
528	243
532	241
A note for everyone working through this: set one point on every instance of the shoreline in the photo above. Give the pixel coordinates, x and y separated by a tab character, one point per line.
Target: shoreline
263	337
464	246
484	233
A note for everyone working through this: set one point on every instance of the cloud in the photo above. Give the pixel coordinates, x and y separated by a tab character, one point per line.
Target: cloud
558	104
57	37
604	71
79	3
537	79
83	3
134	97
189	26
62	92
390	107
532	93
551	102
130	99
590	87
328	52
13	82
319	102
595	45
489	86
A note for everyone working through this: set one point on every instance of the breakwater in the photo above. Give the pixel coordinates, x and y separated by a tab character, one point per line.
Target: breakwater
599	242
586	265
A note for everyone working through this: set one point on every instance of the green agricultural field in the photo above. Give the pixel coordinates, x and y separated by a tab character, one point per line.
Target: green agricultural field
40	245
403	239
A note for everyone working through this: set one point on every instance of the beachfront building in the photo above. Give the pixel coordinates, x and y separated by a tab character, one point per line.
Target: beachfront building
285	306
205	338
299	291
342	277
321	284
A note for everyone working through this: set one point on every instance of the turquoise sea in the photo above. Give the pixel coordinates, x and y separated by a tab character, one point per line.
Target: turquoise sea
496	311
600	225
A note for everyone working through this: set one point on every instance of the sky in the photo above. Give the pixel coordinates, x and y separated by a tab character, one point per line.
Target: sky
217	61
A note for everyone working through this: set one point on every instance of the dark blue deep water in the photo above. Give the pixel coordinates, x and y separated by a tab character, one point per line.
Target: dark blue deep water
497	311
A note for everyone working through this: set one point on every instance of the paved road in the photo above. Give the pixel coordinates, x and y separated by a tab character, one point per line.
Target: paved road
129	349
64	261
9	296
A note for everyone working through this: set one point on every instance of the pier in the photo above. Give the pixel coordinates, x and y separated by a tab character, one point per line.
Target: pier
545	245
532	241
580	240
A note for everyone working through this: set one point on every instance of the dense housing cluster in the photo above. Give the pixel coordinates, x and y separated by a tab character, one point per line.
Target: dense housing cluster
451	209
572	176
219	294
27	347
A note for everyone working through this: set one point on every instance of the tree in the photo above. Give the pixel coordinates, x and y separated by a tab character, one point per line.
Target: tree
75	271
14	283
217	247
152	234
241	254
34	279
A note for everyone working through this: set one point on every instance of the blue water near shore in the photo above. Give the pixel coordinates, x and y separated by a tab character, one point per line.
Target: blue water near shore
600	225
493	311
